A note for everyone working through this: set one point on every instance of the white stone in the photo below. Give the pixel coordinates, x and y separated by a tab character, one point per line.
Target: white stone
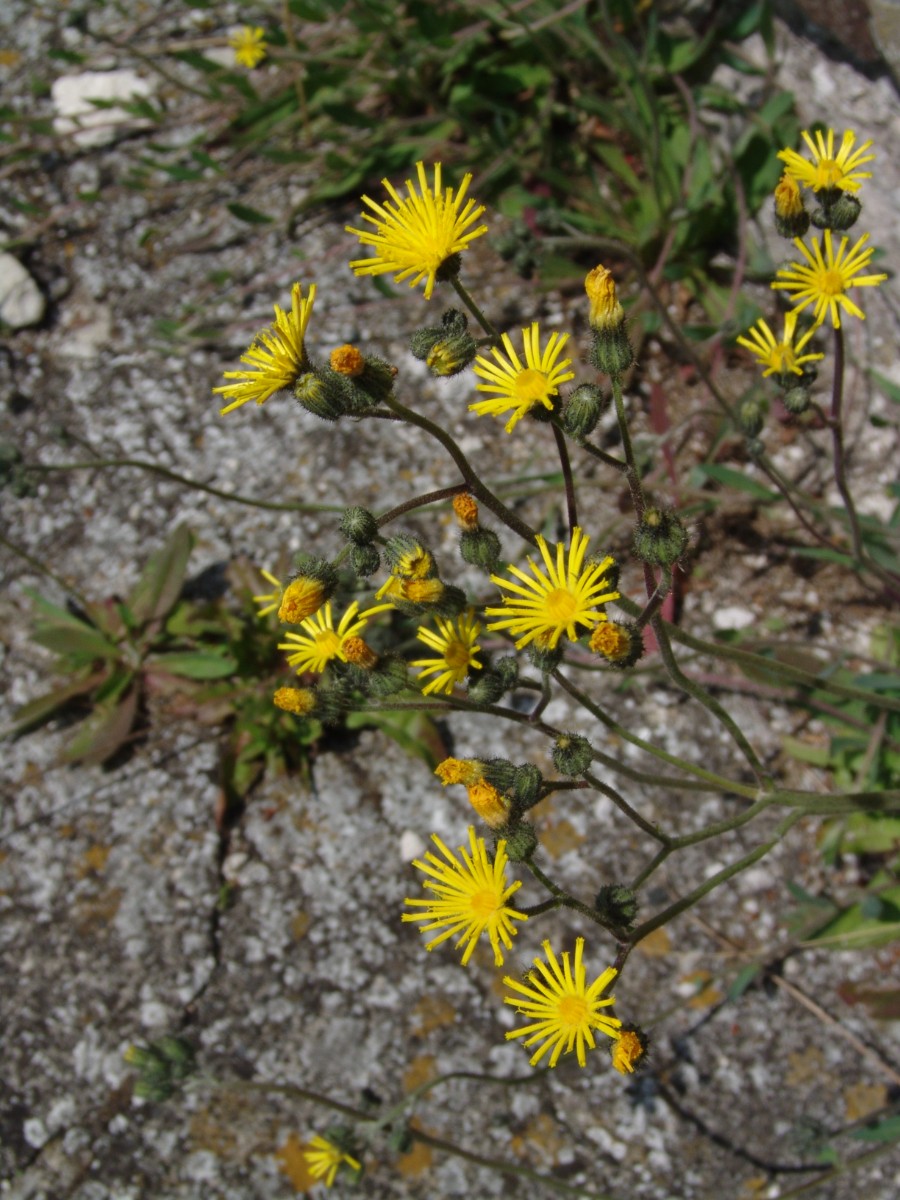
733	616
21	301
411	846
92	126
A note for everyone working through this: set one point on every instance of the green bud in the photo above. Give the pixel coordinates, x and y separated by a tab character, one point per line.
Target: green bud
408	557
750	416
486	688
308	566
611	350
333	698
371	387
508	670
358	525
792	226
796	399
572	754
179	1053
451	603
755	447
480	548
839	210
546	659
660	538
527	785
617	904
389	676
521	841
322	393
365	560
501	773
424	340
583	410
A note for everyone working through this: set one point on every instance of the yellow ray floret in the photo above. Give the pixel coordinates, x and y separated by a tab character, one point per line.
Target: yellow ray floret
556	599
779	358
322	642
415	234
276	357
827	169
470	897
825	278
324	1158
520	386
564	1011
456	643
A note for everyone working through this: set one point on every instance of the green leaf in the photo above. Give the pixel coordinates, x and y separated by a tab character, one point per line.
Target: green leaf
890	389
853	929
162	578
743	980
729	478
887	1130
105	731
37	712
252	216
194	664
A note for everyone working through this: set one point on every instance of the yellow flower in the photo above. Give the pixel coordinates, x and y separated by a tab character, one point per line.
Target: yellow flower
564	1011
456	645
248	45
471	897
606	312
829	170
825	279
324	1158
459	770
779	358
295	700
465	508
414	235
321	643
520	387
269	601
788	201
302	597
276	358
488	803
559	598
628	1051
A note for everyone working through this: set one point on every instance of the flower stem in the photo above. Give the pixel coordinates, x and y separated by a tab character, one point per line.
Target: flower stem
569	482
488	327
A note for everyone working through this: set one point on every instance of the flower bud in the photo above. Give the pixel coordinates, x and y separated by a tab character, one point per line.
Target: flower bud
750	417
617	905
620	642
629	1050
407	557
358	525
521	841
333	699
486	687
480	548
365	560
301	701
322	393
501	773
489	804
572	754
389	676
839	210
508	670
451	355
583	410
308	590
796	399
465	509
359	653
347	360
611	350
459	770
791	218
371	386
527	785
660	538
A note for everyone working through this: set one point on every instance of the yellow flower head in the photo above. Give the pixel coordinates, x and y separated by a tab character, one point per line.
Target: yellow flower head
788	201
827	169
488	803
276	358
314	649
295	700
779	358
825	278
324	1158
520	386
269	601
556	599
465	508
459	770
456	643
628	1051
360	653
348	360
471	897
613	640
414	235
422	591
248	45
302	597
606	312
564	1011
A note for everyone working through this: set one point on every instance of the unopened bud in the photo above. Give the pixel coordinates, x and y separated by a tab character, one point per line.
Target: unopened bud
358	525
750	416
791	218
660	538
572	754
796	400
620	642
583	410
480	548
521	841
617	905
365	560
322	394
